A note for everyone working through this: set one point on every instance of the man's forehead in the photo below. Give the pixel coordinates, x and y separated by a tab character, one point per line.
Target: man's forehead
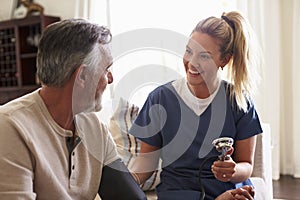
106	55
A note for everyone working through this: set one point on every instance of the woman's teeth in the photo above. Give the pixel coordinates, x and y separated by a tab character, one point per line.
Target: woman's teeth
194	72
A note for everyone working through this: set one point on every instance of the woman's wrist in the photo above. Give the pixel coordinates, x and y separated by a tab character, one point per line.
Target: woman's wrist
136	178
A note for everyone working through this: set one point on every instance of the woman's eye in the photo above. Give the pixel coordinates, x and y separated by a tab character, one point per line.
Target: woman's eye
204	56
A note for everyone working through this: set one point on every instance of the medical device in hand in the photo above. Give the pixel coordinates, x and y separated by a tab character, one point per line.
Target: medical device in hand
224	146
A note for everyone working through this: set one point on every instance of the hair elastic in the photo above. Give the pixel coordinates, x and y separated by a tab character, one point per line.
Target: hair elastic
229	22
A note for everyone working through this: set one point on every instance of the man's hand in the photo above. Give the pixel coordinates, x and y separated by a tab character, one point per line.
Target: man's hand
244	193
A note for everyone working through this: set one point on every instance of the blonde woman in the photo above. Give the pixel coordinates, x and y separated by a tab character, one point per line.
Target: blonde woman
180	119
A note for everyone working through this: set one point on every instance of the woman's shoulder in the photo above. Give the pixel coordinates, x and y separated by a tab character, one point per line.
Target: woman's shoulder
163	88
227	85
162	93
231	96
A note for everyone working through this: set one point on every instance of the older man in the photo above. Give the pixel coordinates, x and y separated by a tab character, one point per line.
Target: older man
52	145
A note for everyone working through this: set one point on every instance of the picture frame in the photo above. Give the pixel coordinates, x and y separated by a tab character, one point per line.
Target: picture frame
18	9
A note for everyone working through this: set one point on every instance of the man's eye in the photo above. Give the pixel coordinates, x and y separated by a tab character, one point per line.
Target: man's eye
188	51
108	69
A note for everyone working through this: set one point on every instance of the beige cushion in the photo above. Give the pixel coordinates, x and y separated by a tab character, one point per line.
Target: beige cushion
127	145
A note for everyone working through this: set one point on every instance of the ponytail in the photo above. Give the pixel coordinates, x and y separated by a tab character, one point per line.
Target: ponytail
242	70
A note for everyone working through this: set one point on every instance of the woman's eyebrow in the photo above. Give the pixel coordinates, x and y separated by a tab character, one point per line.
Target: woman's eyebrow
202	49
208	52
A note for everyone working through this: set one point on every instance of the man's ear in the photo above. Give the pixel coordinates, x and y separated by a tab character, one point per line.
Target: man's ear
81	75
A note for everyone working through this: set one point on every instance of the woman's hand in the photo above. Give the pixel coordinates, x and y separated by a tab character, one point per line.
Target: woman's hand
224	170
244	193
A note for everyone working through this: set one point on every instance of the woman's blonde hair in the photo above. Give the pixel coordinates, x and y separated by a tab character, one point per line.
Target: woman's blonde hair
237	39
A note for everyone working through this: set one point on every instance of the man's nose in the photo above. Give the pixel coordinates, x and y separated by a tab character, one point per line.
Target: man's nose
110	77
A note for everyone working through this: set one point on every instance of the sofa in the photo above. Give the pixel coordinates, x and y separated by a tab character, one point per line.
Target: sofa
128	146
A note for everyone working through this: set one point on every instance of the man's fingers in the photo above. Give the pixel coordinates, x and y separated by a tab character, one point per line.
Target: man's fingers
243	193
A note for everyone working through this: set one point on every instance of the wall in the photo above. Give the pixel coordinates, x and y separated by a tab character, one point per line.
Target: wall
61	8
5	9
64	9
270	107
290	119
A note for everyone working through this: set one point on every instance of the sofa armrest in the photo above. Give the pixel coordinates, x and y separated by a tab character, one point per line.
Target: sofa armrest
262	169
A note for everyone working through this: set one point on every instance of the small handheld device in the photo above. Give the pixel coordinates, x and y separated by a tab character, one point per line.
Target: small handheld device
223	145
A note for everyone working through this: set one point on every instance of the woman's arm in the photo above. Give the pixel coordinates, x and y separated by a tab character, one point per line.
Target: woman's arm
240	167
145	163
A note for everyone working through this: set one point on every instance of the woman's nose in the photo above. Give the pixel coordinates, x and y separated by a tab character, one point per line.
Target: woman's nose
195	64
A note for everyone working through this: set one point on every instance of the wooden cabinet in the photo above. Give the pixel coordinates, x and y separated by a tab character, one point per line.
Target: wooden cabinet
18	49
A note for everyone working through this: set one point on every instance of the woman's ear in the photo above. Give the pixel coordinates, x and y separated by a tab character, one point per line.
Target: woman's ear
225	60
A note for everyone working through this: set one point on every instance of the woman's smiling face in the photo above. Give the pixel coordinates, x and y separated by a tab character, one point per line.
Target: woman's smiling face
202	59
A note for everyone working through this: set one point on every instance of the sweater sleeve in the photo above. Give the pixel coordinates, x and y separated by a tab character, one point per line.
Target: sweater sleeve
16	163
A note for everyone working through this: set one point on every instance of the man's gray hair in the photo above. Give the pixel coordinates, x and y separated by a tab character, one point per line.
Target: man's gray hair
66	45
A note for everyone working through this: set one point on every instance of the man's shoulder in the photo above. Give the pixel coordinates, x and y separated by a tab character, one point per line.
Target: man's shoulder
18	105
89	122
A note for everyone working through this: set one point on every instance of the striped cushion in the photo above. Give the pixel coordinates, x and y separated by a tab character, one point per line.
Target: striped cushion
127	145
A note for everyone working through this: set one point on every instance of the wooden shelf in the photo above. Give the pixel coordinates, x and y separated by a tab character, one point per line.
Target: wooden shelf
28	55
18	49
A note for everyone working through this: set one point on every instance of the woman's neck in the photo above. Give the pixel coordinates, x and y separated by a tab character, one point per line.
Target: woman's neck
203	90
